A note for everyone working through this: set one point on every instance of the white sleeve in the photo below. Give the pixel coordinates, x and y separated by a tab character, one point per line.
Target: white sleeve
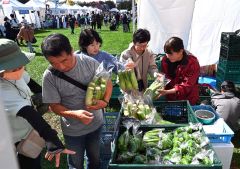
26	77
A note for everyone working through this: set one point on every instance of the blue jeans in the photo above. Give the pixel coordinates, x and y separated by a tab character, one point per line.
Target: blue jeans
89	143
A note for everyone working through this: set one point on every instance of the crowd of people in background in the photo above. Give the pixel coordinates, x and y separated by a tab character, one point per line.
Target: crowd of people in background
89	20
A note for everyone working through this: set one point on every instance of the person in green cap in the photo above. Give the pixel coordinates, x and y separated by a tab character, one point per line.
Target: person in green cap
16	98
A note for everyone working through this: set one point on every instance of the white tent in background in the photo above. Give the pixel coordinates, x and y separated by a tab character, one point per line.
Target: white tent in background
199	23
77	7
85	9
51	4
114	10
36	4
14	5
64	6
40	15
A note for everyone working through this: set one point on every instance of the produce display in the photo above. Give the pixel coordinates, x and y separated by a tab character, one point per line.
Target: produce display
138	108
95	91
183	145
153	89
127	80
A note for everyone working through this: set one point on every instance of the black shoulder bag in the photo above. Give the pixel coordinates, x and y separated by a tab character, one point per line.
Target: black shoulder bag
61	75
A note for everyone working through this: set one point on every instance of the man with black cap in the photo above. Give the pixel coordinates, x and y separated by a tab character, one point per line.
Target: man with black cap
227	104
16	97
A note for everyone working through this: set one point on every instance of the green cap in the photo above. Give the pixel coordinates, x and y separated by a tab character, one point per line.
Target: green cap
11	56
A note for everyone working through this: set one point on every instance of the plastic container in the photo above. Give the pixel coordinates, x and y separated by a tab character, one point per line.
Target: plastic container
230	39
205	116
177	112
219	132
230	52
229	66
109	133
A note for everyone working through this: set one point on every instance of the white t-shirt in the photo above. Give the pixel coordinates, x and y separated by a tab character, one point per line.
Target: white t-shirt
15	95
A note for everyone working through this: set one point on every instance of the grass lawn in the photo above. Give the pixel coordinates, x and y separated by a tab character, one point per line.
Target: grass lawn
113	42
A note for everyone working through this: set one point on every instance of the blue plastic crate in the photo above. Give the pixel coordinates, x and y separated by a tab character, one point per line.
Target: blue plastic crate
178	112
104	164
111	120
224	137
109	132
227	133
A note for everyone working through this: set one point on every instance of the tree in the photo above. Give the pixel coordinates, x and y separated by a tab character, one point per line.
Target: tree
110	4
125	5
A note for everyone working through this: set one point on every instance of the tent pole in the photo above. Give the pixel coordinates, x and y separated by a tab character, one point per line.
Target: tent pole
133	15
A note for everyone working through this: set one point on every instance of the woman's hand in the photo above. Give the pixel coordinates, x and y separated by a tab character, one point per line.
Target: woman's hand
49	156
166	92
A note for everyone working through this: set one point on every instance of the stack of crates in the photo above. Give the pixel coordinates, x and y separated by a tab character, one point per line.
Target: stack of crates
229	60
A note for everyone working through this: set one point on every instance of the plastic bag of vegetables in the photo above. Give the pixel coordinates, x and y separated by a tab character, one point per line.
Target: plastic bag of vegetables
152	90
97	87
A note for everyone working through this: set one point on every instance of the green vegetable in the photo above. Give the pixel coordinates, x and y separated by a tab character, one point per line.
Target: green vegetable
98	93
89	96
133	79
123	141
139	159
121	79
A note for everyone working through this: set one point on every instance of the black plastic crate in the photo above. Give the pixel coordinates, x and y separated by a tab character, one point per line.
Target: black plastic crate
114	165
223	75
229	66
230	39
178	112
230	53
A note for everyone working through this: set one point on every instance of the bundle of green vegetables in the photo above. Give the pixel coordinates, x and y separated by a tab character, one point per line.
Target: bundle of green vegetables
96	90
138	107
139	110
127	80
152	90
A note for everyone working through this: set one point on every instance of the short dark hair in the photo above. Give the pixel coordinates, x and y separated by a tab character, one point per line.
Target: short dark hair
5	18
87	36
141	36
228	86
55	44
174	44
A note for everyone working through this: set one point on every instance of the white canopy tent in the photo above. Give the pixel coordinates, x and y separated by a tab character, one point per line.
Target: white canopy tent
40	15
26	10
14	5
198	22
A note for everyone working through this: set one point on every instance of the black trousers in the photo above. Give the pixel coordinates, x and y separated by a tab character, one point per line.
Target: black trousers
140	85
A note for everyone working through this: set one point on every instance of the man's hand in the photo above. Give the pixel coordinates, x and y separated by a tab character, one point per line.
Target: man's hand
49	156
130	65
84	116
100	104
